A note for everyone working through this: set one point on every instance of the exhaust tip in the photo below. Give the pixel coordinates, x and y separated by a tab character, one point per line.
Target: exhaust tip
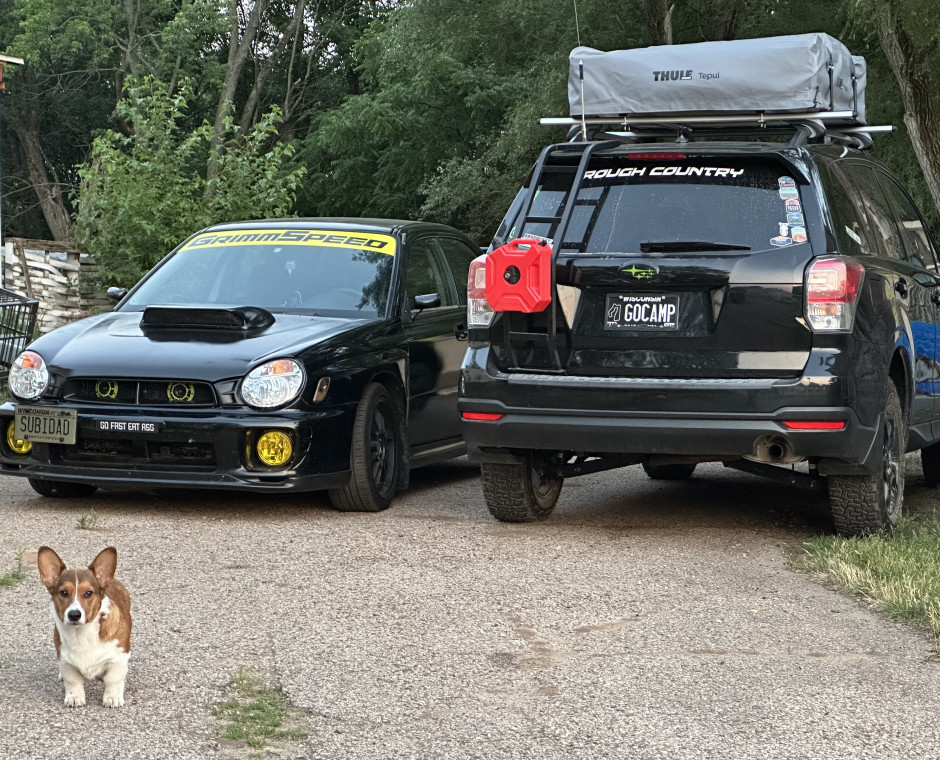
773	449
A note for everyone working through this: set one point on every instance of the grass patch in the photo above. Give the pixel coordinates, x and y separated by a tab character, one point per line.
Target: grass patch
88	520
14	576
256	713
898	573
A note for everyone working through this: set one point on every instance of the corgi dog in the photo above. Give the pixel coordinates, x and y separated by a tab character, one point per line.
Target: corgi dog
92	616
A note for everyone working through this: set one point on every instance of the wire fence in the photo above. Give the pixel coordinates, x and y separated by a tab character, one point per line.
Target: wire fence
17	326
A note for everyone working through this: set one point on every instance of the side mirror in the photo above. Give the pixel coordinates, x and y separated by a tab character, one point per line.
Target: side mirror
429	301
116	294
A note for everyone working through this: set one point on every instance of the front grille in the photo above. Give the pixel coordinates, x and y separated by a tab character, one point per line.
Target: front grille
130	392
193	455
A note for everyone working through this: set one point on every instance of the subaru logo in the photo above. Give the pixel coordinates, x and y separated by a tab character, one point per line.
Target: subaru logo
640	271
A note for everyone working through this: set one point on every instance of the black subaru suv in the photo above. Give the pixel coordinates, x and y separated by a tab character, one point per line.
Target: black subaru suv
770	305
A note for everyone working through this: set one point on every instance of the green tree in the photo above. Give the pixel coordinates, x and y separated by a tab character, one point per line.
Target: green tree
141	195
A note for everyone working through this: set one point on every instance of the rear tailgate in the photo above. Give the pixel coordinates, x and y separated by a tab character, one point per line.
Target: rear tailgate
679	265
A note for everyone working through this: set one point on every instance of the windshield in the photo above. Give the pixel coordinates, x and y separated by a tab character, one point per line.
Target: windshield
299	270
692	204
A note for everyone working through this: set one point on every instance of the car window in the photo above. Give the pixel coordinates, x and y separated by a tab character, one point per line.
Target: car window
917	244
457	257
876	222
276	269
424	274
851	233
634	204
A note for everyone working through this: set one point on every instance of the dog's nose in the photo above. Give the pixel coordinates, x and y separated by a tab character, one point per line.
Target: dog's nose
75	615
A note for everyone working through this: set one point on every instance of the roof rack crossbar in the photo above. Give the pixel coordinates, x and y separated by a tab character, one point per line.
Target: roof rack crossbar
758	118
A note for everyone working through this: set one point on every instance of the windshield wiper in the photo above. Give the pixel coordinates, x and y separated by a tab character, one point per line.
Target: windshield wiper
668	246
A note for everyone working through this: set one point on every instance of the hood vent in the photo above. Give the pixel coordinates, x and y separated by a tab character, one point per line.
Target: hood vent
243	318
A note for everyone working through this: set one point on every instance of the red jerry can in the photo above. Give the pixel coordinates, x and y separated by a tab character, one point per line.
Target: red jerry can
519	276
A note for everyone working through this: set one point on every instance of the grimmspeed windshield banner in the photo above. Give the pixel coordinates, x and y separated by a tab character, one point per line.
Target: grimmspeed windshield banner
363	241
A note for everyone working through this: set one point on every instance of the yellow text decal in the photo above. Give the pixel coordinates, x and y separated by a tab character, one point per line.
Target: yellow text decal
363	241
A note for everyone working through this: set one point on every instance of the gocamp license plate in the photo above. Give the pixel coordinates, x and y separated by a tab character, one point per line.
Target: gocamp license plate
641	311
43	424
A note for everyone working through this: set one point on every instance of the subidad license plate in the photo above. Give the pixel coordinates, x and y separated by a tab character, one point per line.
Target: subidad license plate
43	424
642	311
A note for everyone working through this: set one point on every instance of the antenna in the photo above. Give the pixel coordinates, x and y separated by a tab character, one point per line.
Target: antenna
583	120
577	26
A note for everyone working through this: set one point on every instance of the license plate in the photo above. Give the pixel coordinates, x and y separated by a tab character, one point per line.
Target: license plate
126	428
642	311
44	424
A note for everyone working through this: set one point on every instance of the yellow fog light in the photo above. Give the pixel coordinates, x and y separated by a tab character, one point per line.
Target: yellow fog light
16	445
274	448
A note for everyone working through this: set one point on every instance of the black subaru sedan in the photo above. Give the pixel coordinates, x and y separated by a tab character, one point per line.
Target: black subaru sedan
269	356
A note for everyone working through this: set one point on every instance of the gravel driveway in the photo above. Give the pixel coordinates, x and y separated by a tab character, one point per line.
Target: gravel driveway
646	619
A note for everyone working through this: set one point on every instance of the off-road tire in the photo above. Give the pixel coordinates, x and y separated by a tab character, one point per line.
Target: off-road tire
677	471
375	455
930	463
60	489
520	492
864	504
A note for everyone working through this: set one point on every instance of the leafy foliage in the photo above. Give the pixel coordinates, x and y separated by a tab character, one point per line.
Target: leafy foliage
142	195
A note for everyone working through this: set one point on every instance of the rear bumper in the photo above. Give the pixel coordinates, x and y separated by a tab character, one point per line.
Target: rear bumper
677	434
711	418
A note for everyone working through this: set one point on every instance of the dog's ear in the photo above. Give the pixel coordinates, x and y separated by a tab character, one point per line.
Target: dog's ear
104	565
50	566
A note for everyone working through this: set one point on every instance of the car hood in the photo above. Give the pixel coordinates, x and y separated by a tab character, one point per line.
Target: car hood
114	345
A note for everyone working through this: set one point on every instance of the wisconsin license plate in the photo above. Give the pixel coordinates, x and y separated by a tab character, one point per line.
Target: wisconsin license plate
641	311
43	424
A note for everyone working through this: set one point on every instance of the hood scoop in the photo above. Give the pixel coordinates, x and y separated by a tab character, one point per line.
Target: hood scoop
240	319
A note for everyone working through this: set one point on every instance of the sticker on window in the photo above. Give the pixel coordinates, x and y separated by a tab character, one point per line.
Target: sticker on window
363	241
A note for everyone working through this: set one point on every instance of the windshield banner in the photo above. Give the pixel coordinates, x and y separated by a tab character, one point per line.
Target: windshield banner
364	241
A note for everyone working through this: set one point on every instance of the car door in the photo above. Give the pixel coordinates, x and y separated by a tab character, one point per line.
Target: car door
435	329
909	280
920	254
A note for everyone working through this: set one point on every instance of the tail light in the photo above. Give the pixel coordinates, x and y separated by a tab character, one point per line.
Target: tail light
479	311
832	290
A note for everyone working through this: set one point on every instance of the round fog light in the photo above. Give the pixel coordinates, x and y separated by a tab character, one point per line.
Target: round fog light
274	448
16	445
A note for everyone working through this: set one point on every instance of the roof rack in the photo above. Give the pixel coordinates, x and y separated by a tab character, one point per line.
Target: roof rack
811	126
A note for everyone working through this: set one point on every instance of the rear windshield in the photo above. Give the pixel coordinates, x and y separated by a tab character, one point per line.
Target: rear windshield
692	204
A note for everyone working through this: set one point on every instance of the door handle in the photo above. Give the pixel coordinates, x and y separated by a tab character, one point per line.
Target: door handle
901	287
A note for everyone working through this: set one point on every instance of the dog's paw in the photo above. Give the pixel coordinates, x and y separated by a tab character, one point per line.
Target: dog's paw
113	700
74	700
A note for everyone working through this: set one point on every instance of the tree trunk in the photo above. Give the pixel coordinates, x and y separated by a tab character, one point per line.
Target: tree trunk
917	94
42	177
657	15
240	44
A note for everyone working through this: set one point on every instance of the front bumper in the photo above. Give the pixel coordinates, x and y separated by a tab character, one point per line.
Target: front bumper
198	449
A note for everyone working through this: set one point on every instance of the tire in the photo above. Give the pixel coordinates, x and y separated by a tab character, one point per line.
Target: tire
59	489
930	462
520	492
864	504
375	455
669	471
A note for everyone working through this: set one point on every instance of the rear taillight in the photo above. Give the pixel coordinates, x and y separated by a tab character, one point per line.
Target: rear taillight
479	311
832	289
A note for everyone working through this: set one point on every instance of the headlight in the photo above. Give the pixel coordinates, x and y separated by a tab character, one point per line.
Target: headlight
273	384
29	377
